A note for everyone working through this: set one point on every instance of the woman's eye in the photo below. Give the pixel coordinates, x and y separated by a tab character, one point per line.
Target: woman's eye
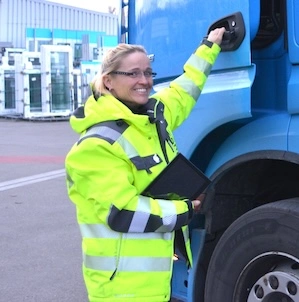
134	74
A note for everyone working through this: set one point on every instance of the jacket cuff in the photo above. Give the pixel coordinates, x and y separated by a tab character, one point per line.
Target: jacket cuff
208	53
206	42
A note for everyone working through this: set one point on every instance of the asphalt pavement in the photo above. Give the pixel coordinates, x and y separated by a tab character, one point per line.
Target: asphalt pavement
40	243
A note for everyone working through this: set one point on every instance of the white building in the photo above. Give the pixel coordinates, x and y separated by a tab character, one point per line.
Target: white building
19	18
49	53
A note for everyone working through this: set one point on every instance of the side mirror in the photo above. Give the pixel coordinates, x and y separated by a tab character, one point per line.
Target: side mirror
234	31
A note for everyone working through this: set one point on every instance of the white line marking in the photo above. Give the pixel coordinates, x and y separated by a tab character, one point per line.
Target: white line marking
24	181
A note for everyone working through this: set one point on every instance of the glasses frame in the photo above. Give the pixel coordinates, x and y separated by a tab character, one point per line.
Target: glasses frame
135	74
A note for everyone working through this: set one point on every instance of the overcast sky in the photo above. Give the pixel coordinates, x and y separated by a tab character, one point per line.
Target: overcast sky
96	5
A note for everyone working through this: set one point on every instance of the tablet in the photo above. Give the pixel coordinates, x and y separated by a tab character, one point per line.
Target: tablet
180	179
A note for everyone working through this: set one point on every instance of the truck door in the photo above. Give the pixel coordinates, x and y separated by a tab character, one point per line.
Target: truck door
293	83
170	31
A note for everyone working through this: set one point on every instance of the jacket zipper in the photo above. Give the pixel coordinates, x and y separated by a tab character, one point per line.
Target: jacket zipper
117	261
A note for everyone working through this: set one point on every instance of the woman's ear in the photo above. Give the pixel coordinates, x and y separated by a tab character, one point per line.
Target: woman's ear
107	81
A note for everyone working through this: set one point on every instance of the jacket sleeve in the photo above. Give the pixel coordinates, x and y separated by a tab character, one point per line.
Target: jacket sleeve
183	92
102	181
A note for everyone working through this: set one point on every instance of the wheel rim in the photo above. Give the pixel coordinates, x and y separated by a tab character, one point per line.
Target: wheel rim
270	277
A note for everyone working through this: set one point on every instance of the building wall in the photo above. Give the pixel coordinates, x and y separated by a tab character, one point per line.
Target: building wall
18	15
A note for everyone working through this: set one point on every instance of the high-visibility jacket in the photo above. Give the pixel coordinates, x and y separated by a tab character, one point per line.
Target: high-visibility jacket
127	238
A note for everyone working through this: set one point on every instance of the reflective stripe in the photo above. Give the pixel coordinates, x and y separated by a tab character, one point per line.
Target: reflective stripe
128	264
185	82
143	213
185	231
169	215
97	231
128	147
188	85
102	231
111	132
102	132
200	64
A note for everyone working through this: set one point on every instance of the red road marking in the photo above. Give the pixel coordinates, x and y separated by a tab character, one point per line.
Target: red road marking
31	159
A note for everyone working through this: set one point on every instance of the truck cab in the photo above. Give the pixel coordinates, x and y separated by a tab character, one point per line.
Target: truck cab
243	133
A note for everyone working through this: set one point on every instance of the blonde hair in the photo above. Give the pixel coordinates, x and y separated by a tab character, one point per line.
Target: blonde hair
111	62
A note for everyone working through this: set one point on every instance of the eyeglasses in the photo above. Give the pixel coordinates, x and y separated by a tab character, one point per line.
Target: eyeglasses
136	74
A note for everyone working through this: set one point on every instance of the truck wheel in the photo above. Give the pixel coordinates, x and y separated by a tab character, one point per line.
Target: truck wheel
257	258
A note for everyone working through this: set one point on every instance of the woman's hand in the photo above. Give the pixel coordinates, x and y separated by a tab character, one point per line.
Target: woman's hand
216	35
196	205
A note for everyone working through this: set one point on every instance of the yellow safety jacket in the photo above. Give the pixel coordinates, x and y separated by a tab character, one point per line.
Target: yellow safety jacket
127	238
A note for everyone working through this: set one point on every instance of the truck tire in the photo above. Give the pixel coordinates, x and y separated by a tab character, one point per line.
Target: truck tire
256	259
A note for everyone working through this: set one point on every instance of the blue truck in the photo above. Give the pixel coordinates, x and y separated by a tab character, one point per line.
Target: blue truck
243	133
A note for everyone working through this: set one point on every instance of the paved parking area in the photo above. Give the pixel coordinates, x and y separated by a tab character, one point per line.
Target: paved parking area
40	241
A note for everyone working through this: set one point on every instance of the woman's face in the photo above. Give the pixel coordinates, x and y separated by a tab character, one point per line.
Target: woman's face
134	87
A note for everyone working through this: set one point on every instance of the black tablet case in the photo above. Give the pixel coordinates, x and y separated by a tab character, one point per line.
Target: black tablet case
179	180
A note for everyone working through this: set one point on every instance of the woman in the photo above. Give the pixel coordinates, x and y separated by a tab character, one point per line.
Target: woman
126	141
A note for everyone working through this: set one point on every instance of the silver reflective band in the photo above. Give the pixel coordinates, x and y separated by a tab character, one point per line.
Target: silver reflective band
143	211
102	131
141	215
112	132
169	215
186	233
188	85
196	63
102	231
128	147
111	136
128	264
200	64
97	231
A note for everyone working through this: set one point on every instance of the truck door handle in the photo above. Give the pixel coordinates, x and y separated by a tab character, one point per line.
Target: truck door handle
234	31
229	35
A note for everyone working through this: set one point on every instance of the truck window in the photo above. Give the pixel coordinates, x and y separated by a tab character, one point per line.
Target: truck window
271	23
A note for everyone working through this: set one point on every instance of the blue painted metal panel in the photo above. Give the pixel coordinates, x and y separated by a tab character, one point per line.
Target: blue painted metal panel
293	138
267	133
171	30
183	281
269	91
197	244
293	91
225	97
293	30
